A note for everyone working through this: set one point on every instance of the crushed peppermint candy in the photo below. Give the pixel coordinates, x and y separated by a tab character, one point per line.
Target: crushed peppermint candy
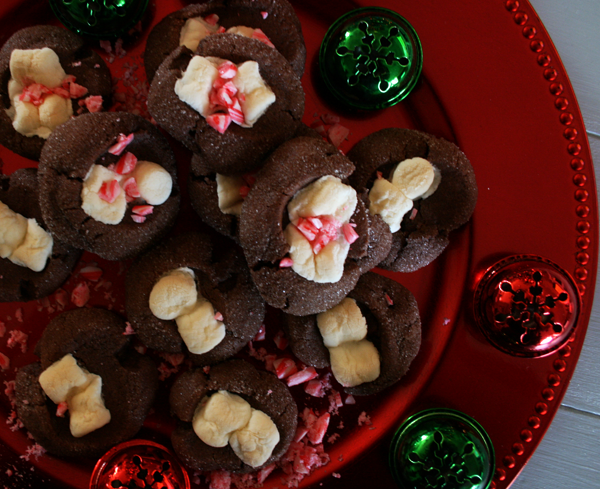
142	210
91	272
302	376
389	300
17	338
4	361
109	191
122	142
218	316
264	14
128	329
81	294
364	419
286	263
61	409
280	340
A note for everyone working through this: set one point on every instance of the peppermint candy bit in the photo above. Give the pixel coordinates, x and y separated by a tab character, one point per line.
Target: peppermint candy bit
91	273
142	210
131	189
284	367
61	408
218	316
211	19
286	263
81	294
138	219
227	70
93	103
262	37
389	300
349	233
122	142
302	376
264	14
219	122
126	163
109	191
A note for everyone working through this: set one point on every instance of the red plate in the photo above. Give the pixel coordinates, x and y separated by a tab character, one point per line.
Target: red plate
493	83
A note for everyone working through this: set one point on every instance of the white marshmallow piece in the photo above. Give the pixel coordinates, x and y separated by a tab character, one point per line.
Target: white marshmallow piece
87	411
254	443
342	323
26	119
413	176
437	179
54	111
241	30
93	205
62	378
228	193
355	362
153	181
13	227
258	96
174	294
218	416
199	329
41	65
327	196
325	267
194	30
195	85
389	202
35	250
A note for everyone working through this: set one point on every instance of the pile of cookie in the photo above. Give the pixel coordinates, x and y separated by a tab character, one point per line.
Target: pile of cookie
297	227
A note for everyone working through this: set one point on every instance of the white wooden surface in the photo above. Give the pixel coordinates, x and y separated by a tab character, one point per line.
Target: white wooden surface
569	455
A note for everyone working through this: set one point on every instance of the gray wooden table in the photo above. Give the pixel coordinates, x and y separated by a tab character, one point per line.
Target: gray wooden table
569	455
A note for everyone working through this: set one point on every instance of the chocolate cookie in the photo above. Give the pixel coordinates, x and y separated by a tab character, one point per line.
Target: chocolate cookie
202	188
71	151
394	327
76	59
262	390
239	149
94	337
222	278
19	192
291	167
281	25
422	236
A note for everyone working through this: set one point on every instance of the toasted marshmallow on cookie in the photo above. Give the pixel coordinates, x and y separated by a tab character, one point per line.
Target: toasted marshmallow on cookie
413	178
318	214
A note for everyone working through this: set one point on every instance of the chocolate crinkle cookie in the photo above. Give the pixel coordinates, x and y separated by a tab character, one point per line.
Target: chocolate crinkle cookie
237	149
262	390
303	284
223	213
178	278
275	18
20	283
393	326
108	184
78	76
449	203
92	343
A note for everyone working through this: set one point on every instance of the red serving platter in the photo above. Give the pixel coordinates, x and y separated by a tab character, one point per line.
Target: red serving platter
493	83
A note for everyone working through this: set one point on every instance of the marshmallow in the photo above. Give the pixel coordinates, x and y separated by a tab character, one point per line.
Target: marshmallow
325	267
342	323
228	193
413	177
174	294
13	227
254	443
87	411
327	196
62	378
355	362
35	250
194	30
93	205
199	329
258	96
66	381
217	416
153	182
196	84
40	65
389	202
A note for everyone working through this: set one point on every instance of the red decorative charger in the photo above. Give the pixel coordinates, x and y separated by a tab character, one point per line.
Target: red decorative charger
493	83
